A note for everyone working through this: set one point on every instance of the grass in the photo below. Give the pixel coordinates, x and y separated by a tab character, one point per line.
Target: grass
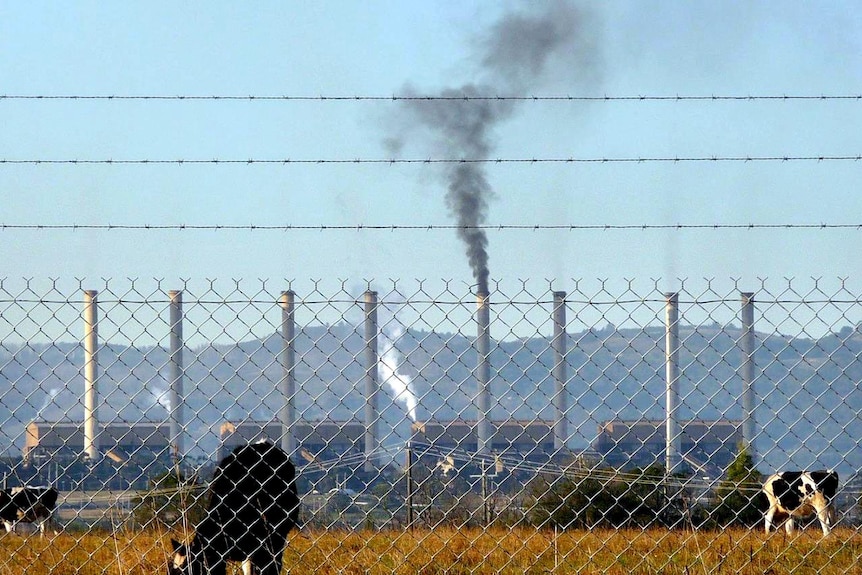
463	552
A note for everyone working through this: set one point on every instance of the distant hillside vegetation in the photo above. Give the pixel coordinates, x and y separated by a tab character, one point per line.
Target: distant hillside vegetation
808	390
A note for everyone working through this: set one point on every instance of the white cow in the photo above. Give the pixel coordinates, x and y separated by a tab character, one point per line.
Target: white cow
799	494
27	505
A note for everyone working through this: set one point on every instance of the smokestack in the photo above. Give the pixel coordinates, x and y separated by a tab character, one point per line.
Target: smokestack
176	366
746	348
91	374
561	433
673	437
483	373
288	366
372	376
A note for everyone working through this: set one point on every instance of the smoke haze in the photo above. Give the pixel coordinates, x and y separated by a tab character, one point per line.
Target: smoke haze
512	56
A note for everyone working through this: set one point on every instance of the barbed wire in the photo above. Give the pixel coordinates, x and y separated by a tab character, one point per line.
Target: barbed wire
430	97
394	161
426	227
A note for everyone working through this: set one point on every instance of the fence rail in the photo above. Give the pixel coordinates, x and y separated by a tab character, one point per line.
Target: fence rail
427	412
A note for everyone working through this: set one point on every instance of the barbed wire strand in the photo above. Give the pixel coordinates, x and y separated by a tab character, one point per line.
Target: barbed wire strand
426	227
394	161
432	97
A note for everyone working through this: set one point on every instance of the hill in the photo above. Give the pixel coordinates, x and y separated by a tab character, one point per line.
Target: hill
808	411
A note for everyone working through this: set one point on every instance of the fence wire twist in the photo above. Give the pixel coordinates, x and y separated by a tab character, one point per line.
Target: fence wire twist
614	427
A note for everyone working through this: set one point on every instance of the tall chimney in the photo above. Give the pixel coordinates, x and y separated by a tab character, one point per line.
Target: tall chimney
372	377
746	348
561	433
176	394
288	366
483	373
673	437
91	374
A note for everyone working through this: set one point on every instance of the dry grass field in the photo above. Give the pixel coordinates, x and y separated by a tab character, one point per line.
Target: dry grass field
445	551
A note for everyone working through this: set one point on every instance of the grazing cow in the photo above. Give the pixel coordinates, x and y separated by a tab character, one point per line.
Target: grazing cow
28	505
799	494
253	505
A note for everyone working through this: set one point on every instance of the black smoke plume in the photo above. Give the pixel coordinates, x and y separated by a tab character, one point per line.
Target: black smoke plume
512	56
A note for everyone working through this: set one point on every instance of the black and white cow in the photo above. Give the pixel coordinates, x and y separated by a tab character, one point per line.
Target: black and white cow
253	505
27	505
799	494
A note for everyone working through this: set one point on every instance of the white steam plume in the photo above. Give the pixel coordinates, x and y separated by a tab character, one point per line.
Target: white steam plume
49	399
399	383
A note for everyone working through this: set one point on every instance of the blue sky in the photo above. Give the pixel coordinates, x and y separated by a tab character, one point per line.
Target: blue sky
345	48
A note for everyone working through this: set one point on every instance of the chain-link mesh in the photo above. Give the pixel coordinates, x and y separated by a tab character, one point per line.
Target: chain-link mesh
614	427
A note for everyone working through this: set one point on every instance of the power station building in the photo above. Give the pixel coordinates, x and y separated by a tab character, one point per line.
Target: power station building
327	440
706	445
134	452
132	449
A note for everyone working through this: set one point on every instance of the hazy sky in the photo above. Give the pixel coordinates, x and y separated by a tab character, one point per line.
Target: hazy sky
330	48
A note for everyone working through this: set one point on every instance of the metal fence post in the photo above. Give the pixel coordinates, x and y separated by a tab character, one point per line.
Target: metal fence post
176	396
673	438
91	375
288	365
372	377
559	345
746	348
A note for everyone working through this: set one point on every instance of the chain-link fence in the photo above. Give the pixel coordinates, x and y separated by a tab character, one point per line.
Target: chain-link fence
613	427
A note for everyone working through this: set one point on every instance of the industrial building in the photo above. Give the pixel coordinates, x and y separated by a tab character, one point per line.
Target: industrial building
130	449
64	440
132	453
328	439
706	446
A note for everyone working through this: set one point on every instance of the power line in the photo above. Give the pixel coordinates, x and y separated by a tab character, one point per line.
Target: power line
393	161
430	97
428	227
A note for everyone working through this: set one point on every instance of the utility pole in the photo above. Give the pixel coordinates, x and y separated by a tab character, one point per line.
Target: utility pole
409	477
484	476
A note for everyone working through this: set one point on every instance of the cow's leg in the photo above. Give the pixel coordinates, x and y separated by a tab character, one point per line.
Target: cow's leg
9	525
44	524
769	525
789	525
824	515
247	567
272	566
269	558
276	563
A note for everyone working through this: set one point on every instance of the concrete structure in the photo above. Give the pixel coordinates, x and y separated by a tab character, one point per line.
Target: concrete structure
144	449
483	372
129	455
705	446
560	344
63	441
673	433
315	440
328	440
90	438
372	379
175	393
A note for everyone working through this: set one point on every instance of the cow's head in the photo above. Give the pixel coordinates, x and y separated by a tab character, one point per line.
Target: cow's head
826	482
181	562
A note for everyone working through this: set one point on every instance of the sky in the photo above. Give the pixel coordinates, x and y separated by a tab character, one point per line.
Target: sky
343	49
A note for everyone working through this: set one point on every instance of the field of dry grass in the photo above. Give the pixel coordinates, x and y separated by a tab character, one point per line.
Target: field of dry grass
445	551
